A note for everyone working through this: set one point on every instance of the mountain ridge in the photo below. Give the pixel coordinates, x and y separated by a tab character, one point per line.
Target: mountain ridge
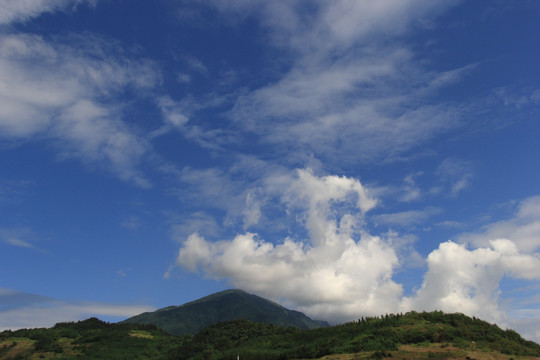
227	305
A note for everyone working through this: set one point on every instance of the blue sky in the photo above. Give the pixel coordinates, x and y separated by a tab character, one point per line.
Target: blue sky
344	158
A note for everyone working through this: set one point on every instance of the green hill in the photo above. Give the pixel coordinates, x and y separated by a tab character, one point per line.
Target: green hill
223	306
413	335
426	336
88	339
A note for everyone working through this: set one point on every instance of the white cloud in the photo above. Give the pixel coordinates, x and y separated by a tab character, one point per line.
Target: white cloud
58	91
351	93
406	218
352	109
510	98
196	65
331	268
198	222
320	27
252	211
22	310
183	78
211	187
467	281
11	191
18	242
22	10
173	112
132	223
450	224
455	176
335	274
21	237
528	327
92	133
523	228
411	191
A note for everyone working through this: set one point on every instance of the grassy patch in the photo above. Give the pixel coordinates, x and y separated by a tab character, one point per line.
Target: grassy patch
16	347
141	334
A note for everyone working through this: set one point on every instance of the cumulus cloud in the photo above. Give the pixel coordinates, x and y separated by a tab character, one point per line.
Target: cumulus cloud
330	267
336	273
23	310
523	228
467	281
466	277
57	91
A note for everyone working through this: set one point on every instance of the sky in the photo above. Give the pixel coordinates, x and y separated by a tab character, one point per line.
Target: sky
344	158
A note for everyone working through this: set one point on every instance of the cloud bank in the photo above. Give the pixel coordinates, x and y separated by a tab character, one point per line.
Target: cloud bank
467	281
320	274
337	271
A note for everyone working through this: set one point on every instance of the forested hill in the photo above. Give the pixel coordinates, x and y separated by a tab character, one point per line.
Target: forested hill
413	335
223	306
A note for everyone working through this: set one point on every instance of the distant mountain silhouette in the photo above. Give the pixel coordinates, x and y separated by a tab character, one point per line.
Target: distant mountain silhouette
226	305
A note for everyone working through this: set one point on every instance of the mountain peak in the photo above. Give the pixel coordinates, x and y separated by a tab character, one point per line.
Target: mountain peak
227	305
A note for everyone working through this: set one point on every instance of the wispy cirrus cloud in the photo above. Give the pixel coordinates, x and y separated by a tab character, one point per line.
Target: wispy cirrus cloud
350	92
523	228
406	218
455	175
11	191
23	10
21	237
66	91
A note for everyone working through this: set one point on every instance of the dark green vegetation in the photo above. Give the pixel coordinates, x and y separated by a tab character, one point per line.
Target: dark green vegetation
223	306
413	335
89	339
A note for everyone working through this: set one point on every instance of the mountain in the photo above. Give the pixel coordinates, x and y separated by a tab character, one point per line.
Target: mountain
226	305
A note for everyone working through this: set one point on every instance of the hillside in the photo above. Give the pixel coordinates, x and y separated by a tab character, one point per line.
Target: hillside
413	335
223	306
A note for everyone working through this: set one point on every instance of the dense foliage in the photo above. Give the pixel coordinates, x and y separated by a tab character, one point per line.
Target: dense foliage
89	339
373	337
376	335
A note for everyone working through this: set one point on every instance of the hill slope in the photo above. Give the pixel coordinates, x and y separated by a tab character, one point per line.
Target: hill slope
410	336
425	336
223	306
